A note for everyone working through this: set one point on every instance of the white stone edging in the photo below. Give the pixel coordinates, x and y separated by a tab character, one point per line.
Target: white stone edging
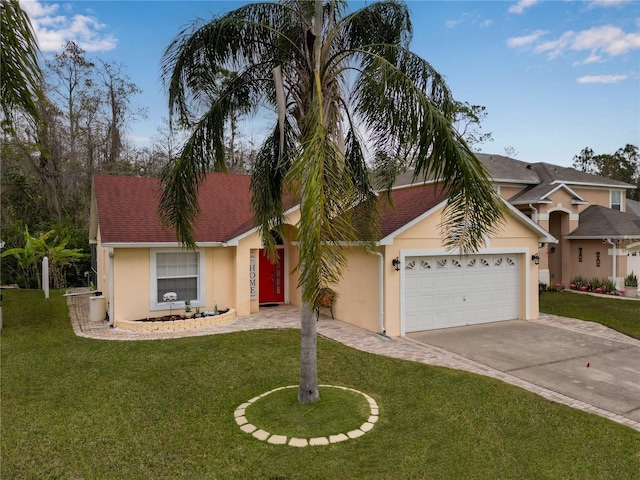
276	439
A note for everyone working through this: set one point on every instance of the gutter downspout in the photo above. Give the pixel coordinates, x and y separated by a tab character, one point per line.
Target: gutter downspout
383	331
615	258
111	309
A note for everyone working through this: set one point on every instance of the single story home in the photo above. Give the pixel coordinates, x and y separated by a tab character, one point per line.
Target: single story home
408	282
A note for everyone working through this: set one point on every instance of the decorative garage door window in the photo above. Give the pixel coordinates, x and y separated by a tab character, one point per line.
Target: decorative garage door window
448	291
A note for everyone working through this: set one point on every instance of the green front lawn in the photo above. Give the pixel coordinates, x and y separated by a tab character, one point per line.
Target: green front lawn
83	409
620	315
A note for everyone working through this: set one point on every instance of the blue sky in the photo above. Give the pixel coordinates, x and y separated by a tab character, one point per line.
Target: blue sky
554	76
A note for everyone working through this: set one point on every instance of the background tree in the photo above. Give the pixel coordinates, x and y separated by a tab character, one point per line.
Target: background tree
468	121
118	91
338	85
70	79
30	256
623	165
84	112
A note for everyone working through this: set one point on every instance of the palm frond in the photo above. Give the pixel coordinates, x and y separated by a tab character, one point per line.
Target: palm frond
409	109
19	68
268	182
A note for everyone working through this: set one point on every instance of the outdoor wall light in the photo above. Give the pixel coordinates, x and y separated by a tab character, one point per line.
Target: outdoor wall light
535	259
396	263
552	249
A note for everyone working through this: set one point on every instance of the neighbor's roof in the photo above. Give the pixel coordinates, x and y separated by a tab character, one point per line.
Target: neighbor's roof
127	209
598	222
633	207
542	178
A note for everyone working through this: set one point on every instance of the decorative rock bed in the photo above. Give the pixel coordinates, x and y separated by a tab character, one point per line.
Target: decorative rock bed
157	325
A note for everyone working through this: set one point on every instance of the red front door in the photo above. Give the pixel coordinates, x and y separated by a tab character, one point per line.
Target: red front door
271	278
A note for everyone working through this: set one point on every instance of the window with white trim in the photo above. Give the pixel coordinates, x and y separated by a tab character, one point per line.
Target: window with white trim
616	200
176	271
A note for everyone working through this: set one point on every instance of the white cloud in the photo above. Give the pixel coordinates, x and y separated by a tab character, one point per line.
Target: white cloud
602	78
54	29
468	18
554	48
516	42
608	3
590	59
609	39
521	6
599	42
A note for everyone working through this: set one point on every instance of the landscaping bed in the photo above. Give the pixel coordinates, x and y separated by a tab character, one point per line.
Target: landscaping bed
177	322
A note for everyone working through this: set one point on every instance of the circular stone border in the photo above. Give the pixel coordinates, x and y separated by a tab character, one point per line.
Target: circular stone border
276	439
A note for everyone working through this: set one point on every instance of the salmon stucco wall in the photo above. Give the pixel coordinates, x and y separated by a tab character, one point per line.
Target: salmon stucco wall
595	260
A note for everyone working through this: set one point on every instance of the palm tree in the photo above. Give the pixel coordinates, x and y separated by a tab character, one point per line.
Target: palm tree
339	84
19	67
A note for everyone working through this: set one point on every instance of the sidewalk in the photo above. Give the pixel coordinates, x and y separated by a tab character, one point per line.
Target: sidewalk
288	316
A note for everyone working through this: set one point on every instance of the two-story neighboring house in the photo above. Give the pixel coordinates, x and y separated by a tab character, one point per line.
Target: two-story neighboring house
597	228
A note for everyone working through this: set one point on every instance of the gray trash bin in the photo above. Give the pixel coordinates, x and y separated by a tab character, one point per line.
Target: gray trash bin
98	308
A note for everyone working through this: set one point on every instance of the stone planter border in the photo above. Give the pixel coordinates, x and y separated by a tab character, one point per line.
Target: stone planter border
186	324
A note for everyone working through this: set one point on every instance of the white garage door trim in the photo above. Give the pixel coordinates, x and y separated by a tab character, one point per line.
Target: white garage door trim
521	256
633	258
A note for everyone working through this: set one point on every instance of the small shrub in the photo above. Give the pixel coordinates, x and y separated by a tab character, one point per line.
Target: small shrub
578	282
555	287
596	283
631	280
608	286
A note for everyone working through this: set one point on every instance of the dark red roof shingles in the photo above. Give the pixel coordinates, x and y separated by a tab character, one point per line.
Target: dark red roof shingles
408	204
127	208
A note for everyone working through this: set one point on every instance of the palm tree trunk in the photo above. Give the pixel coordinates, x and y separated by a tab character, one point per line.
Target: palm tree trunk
308	390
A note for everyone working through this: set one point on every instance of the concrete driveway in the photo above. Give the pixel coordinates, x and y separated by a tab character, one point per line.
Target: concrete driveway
590	368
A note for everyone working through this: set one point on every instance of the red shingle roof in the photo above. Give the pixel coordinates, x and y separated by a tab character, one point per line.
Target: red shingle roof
408	204
127	209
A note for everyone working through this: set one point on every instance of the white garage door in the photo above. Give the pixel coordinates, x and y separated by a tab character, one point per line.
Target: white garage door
452	291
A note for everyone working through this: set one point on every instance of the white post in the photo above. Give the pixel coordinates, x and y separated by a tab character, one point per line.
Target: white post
45	276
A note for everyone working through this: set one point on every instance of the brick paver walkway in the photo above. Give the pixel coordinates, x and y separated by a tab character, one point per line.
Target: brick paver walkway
287	316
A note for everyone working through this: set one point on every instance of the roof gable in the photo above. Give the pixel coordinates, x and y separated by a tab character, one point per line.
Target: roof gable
541	193
411	205
127	209
408	205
